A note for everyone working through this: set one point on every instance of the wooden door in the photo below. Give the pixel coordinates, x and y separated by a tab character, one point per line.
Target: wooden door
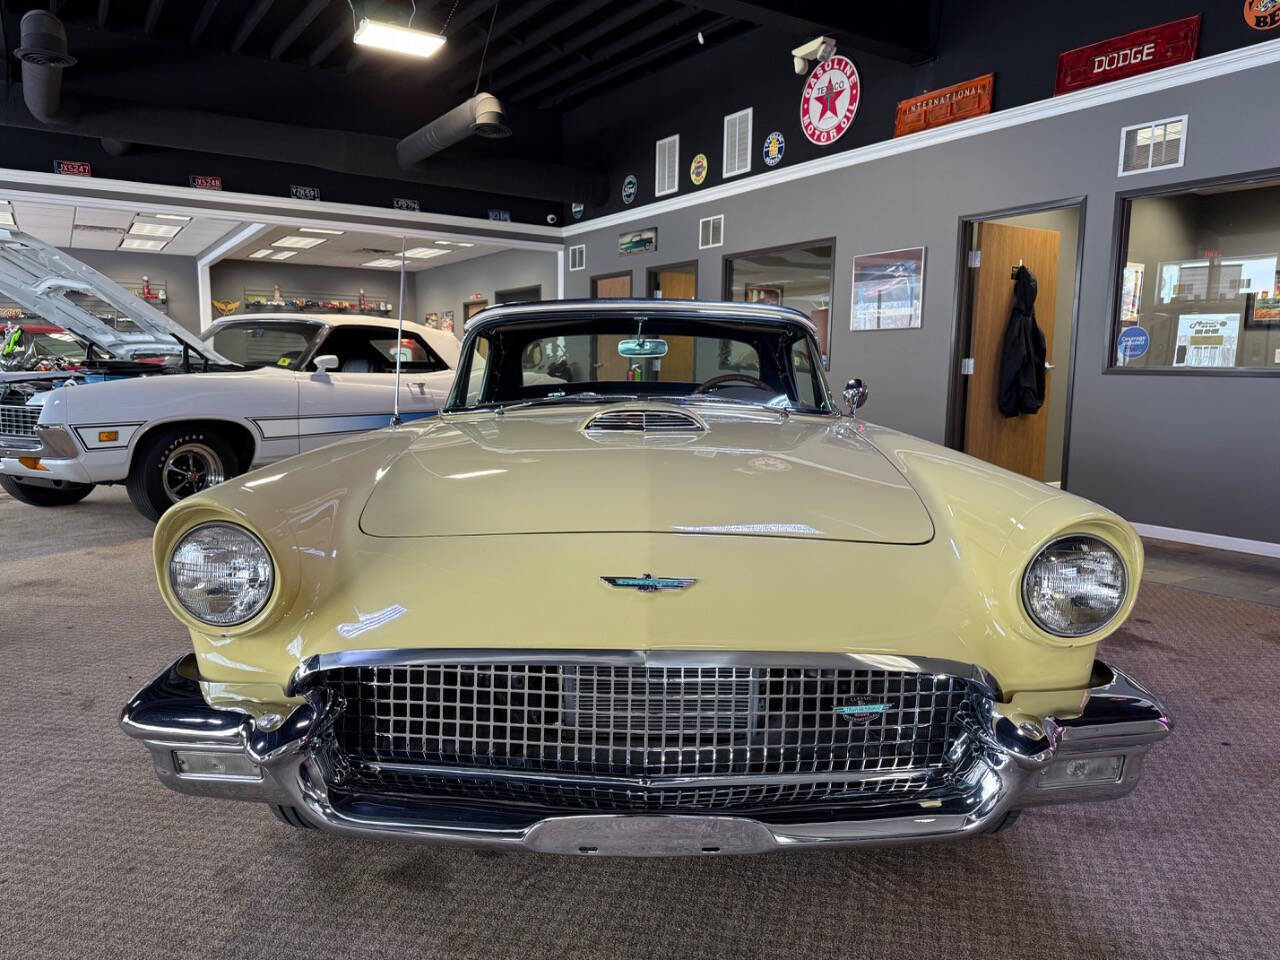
676	284
610	366
472	307
1015	443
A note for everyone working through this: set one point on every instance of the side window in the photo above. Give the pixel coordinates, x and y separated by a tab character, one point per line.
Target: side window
374	349
802	367
479	365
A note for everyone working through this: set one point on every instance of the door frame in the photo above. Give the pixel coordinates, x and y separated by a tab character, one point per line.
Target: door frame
962	325
649	273
612	276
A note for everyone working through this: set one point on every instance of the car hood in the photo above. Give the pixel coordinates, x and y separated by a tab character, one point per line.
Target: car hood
749	472
39	277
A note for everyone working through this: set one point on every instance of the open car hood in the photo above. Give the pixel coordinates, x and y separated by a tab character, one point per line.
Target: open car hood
39	277
745	474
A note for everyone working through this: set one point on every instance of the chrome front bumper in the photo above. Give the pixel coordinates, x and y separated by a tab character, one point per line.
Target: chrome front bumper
227	753
48	443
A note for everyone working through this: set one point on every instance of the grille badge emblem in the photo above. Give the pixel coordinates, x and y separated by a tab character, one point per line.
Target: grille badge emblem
860	709
649	583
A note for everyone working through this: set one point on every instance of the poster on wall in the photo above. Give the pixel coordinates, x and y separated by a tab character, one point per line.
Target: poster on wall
888	290
1207	340
638	241
446	321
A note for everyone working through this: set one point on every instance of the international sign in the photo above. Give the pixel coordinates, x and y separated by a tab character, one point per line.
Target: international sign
946	105
1128	56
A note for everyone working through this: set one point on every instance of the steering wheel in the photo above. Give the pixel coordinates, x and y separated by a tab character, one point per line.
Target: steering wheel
729	378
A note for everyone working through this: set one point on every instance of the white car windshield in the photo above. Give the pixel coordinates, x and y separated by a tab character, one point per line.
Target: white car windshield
258	343
597	358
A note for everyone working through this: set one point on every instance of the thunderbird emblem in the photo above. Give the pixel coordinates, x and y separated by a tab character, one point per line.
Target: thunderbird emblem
860	709
649	583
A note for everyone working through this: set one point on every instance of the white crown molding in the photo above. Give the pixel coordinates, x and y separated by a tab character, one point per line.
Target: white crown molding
1222	64
1262	548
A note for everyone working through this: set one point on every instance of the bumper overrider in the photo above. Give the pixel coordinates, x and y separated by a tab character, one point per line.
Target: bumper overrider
198	749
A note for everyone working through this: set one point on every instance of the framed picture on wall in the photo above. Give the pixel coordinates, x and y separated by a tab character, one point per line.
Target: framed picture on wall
446	321
638	241
888	290
759	293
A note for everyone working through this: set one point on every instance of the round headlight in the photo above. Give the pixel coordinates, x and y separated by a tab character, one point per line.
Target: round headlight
221	574
1074	586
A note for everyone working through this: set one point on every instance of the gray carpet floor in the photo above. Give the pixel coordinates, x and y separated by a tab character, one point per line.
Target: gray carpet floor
98	860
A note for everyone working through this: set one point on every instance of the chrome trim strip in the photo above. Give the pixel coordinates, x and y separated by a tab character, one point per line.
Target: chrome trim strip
636	658
781	316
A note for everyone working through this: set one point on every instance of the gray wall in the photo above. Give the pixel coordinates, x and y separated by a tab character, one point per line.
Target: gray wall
229	279
447	288
1185	451
178	274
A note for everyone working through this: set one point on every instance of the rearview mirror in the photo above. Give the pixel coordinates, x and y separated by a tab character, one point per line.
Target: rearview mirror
642	347
326	362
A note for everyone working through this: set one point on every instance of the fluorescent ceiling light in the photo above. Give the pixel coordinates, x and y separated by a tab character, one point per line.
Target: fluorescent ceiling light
140	228
6	219
397	39
382	262
284	254
259	254
301	243
137	243
333	233
462	243
424	253
169	216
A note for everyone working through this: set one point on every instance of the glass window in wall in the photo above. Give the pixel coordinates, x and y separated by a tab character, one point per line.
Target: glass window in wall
1200	285
797	276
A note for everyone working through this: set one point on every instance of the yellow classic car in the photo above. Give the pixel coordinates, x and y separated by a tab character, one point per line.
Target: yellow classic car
643	588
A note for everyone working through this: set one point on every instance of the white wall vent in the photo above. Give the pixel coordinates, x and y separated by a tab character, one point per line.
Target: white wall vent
1153	146
578	257
711	231
737	143
666	166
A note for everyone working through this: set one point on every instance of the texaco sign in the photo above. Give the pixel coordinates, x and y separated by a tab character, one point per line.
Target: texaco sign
830	100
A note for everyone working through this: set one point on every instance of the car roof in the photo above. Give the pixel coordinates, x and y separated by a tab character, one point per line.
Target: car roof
443	342
718	309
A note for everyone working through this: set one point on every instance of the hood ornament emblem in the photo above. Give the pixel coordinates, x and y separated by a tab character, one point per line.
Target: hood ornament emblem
649	583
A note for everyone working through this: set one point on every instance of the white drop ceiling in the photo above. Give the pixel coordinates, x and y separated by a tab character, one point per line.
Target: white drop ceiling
357	250
94	228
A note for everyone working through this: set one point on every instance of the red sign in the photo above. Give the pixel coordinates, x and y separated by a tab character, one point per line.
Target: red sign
72	168
1262	14
200	182
947	105
1128	56
830	100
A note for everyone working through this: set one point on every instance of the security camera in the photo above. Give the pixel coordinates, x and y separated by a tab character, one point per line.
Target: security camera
819	49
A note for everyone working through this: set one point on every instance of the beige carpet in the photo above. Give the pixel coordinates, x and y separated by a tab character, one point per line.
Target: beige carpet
98	860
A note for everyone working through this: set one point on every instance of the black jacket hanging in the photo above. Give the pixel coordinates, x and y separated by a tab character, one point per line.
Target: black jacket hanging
1022	362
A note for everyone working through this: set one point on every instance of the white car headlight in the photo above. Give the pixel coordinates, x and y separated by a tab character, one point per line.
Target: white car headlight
221	574
1074	586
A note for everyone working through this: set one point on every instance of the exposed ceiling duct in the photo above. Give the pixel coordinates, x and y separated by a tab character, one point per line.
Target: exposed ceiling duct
43	52
482	116
37	103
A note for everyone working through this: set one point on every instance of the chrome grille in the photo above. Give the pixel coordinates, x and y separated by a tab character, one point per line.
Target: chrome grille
18	421
644	421
505	732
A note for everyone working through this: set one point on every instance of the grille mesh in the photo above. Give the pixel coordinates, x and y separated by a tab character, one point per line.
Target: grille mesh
18	421
652	722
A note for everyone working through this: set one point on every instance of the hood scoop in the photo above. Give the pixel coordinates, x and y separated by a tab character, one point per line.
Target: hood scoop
644	421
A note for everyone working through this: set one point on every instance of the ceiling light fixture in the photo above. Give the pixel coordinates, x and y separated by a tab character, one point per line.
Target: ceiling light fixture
169	216
137	243
332	233
259	254
397	39
382	262
300	243
284	254
424	253
140	228
6	219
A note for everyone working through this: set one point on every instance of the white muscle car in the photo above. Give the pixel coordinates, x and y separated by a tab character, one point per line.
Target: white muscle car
169	413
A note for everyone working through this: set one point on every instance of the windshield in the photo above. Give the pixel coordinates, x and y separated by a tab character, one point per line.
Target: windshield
596	358
257	343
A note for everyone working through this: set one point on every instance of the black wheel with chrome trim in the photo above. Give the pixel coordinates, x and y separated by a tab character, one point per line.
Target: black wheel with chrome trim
176	462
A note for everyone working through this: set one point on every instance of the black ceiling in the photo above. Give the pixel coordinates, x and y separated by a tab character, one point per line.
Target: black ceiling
543	53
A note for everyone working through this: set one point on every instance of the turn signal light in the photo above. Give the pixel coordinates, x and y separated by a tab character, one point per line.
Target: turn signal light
1080	771
191	763
108	436
32	463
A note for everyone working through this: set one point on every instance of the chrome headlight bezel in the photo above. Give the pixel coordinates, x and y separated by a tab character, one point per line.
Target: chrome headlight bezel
244	616
1084	630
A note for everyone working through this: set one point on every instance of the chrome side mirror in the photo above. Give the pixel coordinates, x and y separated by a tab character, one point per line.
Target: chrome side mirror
325	362
855	395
